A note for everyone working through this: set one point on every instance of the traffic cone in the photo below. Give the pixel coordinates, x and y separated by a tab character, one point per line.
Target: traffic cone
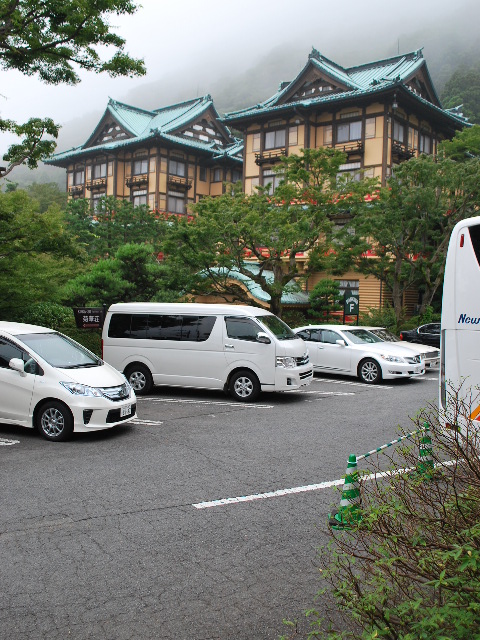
349	510
425	461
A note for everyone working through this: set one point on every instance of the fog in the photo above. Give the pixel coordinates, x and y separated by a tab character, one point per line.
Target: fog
239	52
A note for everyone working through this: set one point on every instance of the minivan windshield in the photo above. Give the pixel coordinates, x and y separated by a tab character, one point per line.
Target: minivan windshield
59	351
279	329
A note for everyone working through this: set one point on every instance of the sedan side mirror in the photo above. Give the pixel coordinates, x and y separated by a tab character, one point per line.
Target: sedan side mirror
17	365
263	338
342	343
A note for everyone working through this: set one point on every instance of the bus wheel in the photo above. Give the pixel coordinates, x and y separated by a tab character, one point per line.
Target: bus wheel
369	371
244	386
140	379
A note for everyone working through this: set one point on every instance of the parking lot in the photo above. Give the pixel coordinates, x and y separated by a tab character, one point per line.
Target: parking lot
198	521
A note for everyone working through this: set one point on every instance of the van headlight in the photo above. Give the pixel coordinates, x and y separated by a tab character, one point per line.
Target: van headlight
287	362
392	358
77	389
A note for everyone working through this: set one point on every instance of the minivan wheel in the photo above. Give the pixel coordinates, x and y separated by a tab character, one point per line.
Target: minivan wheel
140	379
54	421
244	386
369	371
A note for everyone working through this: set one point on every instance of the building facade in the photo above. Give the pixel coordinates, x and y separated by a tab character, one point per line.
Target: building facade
167	159
379	114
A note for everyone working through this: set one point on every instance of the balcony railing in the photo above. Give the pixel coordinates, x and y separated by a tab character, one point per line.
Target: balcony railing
178	182
135	181
402	151
75	189
269	157
96	183
351	148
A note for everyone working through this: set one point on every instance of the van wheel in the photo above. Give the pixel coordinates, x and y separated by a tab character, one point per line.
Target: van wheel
369	371
54	421
244	386
140	379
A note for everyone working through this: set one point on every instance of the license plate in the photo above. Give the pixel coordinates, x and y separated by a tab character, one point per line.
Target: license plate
126	410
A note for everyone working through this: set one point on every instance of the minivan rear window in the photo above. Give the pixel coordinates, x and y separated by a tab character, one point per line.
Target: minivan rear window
154	326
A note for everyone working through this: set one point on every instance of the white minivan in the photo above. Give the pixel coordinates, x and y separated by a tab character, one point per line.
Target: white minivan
243	350
51	382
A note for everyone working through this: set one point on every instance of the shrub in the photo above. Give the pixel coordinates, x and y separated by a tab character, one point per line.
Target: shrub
47	314
384	317
410	569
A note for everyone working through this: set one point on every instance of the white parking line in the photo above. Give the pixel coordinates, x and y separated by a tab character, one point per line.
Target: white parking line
6	443
153	423
240	405
355	384
325	393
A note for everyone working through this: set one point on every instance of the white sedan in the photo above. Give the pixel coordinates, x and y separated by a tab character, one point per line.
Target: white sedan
430	355
354	351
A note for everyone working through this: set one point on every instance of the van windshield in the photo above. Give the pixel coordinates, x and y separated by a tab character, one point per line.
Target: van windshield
59	351
279	329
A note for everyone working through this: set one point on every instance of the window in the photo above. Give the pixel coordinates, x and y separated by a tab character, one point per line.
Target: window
139	197
9	351
176	202
349	131
140	167
202	174
100	170
348	285
242	329
412	138
351	169
161	327
176	168
275	139
398	131
79	176
293	136
97	201
330	337
370	126
256	142
236	175
327	134
217	175
272	179
425	144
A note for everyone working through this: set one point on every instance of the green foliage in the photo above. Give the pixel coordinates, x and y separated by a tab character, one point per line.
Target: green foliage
463	88
46	194
410	569
132	275
53	39
425	318
382	317
47	314
324	299
465	144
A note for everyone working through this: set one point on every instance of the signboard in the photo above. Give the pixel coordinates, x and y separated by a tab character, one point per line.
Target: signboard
350	304
89	317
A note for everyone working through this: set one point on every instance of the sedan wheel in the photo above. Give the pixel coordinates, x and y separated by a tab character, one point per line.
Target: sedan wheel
369	371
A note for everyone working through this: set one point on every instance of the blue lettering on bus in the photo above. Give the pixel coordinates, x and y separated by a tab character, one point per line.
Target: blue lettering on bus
464	319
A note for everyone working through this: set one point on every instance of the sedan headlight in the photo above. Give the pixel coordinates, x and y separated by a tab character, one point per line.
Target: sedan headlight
392	358
287	362
77	389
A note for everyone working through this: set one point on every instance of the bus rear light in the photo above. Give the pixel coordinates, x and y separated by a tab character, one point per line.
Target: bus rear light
462	240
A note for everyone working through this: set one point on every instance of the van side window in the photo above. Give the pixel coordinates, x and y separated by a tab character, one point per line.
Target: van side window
161	327
119	325
164	327
241	328
197	328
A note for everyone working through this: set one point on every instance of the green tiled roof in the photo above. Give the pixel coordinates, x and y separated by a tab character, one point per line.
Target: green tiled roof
293	295
163	123
359	81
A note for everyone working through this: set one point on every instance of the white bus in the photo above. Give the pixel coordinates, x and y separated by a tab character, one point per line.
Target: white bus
460	328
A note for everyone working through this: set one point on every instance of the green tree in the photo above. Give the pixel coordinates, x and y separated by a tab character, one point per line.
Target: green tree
133	274
463	88
47	194
260	235
54	39
402	236
113	224
464	145
324	299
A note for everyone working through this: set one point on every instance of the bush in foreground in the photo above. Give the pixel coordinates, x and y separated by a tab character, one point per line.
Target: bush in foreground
410	569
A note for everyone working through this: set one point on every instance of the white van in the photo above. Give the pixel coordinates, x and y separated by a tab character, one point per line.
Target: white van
51	382
460	327
241	349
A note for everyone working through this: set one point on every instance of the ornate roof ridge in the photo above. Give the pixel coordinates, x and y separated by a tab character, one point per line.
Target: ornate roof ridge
124	105
413	55
206	98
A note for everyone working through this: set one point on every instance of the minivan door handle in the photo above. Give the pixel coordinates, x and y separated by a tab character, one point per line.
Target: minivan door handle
229	346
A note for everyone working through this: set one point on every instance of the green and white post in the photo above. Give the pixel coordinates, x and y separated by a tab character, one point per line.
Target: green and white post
350	504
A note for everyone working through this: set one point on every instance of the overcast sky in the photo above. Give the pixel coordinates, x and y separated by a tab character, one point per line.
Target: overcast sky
219	36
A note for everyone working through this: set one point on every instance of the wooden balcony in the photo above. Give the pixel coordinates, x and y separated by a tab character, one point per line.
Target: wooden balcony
76	189
178	182
401	151
97	183
269	157
136	181
351	148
